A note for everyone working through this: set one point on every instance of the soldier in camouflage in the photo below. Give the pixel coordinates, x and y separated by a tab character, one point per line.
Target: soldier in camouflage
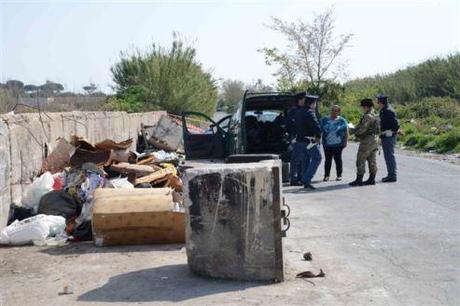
366	132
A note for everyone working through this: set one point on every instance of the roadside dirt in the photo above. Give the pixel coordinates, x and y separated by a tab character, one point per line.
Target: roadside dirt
31	275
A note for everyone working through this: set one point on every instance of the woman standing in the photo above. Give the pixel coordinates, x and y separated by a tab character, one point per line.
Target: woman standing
335	139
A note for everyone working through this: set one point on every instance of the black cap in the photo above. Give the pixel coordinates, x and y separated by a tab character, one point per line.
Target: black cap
381	98
367	102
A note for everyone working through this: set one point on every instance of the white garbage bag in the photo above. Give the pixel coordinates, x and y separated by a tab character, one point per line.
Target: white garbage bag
33	229
36	190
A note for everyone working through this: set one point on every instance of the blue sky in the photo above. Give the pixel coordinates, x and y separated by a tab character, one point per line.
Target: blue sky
76	42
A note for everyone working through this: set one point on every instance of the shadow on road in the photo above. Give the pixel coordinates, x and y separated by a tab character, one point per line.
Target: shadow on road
318	189
172	283
89	247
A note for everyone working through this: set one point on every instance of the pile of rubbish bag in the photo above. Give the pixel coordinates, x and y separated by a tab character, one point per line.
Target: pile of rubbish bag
57	206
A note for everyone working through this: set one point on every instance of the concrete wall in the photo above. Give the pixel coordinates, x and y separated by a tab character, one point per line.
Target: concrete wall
24	138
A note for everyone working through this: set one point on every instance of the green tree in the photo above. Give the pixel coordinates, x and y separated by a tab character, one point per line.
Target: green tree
90	89
232	91
313	52
50	88
170	79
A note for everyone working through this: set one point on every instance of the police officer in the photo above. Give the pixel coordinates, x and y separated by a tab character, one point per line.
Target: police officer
297	163
366	132
389	127
308	135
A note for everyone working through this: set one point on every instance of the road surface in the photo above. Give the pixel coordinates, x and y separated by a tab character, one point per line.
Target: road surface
395	244
389	244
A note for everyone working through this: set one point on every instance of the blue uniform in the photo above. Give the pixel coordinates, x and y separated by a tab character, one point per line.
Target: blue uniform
389	122
297	163
307	127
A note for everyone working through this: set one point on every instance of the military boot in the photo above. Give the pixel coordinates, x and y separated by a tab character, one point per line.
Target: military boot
358	181
370	180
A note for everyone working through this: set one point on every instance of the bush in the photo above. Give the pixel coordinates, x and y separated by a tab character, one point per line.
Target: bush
169	79
449	142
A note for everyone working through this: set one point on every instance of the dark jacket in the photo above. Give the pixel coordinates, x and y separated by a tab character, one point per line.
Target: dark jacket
388	120
290	124
306	124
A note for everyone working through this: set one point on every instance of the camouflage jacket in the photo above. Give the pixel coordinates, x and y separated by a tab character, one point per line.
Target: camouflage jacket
368	129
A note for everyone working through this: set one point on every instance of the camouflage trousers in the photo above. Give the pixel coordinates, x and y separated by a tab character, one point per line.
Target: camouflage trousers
367	152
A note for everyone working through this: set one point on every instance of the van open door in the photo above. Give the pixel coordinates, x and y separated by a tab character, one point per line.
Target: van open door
203	137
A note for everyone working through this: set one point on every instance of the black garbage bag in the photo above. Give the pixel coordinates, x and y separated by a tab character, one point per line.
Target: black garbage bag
18	213
83	232
59	203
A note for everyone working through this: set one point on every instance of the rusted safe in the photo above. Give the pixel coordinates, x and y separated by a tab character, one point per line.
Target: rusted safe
234	222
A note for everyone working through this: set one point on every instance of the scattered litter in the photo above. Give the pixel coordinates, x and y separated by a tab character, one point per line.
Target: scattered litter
18	213
81	156
138	170
58	203
136	216
163	156
121	183
307	256
58	206
309	274
32	229
109	144
36	190
66	289
59	157
164	278
155	176
166	134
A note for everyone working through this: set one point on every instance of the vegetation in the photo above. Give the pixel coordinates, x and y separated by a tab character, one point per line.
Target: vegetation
232	91
426	97
169	79
50	97
313	54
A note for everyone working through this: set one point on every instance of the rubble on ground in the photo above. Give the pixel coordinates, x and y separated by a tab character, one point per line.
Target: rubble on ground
141	189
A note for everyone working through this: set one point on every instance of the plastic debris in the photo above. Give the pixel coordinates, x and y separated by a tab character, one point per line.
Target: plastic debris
63	195
36	190
32	229
120	183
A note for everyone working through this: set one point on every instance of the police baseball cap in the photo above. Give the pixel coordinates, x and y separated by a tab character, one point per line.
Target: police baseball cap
381	98
310	99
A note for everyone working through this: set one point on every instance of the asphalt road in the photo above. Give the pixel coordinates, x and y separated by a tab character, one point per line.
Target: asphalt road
389	244
395	244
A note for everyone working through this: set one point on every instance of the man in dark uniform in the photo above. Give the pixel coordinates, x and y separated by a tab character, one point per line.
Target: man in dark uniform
297	163
389	127
308	134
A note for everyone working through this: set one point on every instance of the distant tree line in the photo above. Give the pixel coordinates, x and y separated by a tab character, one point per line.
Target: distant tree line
232	91
14	92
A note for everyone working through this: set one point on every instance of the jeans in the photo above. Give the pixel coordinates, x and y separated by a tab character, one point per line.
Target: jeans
388	146
336	153
312	162
297	163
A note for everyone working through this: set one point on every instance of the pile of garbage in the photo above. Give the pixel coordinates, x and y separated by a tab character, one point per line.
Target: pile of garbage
57	206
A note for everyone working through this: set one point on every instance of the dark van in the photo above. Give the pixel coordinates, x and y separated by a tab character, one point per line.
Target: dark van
258	126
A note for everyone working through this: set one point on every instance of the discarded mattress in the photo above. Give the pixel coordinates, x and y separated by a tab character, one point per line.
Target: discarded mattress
136	216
